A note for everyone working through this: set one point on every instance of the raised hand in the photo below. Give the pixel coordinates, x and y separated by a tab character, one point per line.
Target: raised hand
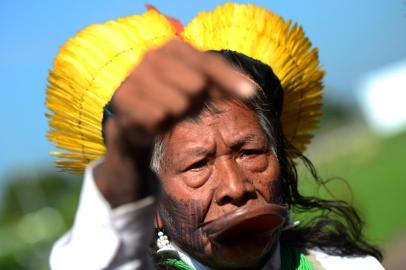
167	85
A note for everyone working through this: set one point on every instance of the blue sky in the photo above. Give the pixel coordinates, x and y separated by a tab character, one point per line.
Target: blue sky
354	38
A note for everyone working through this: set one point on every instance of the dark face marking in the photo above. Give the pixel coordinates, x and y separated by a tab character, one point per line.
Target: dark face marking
212	167
180	219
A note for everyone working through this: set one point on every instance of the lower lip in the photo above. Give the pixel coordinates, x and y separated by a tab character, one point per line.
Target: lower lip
246	224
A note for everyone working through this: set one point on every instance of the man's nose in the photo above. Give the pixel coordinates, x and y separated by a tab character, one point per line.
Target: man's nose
233	185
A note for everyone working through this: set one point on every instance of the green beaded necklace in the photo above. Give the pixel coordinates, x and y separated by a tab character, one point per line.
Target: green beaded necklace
291	260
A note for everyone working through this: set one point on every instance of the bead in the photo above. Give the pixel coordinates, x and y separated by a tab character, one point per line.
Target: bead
164	245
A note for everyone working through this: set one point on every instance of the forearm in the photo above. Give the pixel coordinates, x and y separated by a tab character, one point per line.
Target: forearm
124	176
102	237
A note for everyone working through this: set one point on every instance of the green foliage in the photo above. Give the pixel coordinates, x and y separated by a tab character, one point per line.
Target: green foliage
372	177
36	210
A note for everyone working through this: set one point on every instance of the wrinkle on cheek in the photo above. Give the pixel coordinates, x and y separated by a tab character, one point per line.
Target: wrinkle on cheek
269	186
181	220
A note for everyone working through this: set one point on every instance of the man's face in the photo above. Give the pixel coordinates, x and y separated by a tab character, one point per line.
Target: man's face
211	167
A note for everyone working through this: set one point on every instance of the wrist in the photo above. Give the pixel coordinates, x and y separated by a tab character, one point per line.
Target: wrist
118	186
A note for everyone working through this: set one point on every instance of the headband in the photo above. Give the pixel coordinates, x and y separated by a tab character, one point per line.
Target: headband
91	66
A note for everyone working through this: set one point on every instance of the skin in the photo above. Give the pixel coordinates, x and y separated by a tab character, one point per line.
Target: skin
210	167
213	167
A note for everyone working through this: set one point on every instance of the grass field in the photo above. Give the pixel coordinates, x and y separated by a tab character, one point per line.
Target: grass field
374	170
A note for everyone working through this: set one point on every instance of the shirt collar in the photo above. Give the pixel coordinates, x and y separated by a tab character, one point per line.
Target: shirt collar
274	261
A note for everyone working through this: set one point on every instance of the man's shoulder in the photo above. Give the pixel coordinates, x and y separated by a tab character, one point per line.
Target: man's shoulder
323	261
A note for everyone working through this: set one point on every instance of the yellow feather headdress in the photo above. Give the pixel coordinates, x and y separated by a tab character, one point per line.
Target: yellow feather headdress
90	67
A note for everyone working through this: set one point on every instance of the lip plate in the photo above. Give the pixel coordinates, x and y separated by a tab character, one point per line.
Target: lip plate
246	221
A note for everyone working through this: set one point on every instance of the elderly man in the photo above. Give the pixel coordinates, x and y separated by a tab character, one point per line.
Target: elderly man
201	126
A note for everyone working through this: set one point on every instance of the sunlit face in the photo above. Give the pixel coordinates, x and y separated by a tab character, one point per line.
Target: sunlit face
211	167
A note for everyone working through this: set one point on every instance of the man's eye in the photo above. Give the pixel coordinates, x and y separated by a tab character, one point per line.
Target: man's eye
197	165
250	152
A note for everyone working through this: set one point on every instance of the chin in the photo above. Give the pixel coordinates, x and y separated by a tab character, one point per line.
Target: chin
239	254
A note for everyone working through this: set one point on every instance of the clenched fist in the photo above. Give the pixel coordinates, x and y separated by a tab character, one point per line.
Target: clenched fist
168	84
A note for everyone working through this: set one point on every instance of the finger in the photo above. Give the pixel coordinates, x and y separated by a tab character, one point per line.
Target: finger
216	68
180	75
145	115
171	99
111	133
228	77
134	109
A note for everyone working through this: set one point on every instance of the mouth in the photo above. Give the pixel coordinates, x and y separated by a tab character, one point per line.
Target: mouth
246	223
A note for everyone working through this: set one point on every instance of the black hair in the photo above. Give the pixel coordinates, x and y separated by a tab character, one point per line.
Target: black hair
336	229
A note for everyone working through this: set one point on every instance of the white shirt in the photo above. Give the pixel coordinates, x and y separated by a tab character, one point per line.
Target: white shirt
106	238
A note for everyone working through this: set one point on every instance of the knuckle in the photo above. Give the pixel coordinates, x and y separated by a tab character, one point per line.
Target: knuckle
159	115
180	107
151	56
197	85
172	44
215	62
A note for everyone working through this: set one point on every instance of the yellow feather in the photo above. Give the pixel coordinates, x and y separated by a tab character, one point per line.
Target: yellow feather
87	70
261	34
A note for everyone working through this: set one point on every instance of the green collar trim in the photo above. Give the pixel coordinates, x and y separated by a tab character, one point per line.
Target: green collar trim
291	259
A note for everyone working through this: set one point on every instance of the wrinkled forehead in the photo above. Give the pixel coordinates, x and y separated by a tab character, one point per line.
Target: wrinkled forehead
213	108
227	119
